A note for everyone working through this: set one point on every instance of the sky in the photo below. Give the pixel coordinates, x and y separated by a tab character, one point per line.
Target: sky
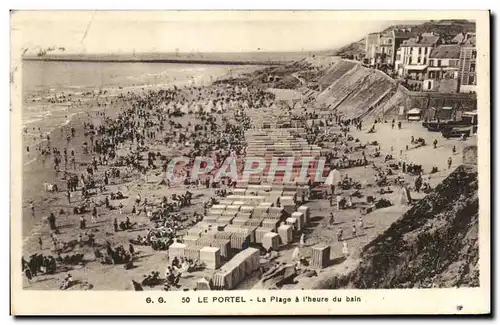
153	31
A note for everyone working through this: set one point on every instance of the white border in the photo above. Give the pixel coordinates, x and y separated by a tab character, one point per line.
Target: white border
145	5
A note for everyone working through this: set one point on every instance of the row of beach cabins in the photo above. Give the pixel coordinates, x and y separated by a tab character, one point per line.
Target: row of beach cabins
257	215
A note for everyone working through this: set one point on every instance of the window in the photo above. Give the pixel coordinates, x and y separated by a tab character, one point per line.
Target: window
419	50
431	63
425	61
474	54
398	57
438	63
429	85
472	80
425	50
409	60
472	67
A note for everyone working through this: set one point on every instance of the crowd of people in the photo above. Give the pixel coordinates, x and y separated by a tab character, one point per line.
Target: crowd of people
151	127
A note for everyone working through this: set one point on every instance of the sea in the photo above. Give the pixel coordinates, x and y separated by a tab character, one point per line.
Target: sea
46	79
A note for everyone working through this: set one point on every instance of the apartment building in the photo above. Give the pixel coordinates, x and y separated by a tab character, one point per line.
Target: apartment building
443	68
467	65
372	42
413	56
381	47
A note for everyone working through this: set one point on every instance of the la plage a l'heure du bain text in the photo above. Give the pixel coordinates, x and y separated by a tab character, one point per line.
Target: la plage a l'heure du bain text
271	299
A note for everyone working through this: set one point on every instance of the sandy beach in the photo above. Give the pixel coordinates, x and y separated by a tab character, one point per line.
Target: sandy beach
142	128
39	170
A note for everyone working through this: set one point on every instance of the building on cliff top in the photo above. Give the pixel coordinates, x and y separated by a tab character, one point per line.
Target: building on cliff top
412	58
467	65
442	72
381	48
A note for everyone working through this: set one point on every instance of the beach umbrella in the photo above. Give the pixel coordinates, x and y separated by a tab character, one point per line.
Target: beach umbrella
333	177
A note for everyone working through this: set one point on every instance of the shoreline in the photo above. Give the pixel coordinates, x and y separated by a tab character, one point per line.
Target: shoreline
40	173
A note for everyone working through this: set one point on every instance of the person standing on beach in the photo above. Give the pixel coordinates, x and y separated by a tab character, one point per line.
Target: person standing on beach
345	249
32	208
94	214
340	232
82	222
338	198
332	219
68	195
52	221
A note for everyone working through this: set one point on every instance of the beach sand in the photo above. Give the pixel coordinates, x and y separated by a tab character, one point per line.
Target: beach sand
35	173
114	277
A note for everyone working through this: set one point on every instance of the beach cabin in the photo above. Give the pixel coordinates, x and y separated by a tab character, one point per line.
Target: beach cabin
470	117
414	114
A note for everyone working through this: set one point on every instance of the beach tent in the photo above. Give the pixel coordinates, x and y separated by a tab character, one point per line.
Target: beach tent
184	108
404	196
414	114
203	284
401	110
333	178
210	106
470	116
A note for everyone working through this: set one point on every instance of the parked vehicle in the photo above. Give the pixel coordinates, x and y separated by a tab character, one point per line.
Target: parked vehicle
455	132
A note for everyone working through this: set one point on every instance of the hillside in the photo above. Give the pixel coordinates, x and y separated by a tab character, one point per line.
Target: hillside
354	90
435	244
446	28
352	50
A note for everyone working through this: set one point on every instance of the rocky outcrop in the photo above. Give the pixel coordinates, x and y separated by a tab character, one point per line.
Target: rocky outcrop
469	155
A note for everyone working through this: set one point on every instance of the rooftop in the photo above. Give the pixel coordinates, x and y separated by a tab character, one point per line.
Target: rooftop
445	52
401	34
423	40
465	39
